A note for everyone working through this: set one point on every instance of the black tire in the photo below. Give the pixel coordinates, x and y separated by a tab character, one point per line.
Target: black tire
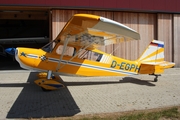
155	79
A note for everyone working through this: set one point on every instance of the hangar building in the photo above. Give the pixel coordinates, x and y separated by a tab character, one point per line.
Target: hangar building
32	23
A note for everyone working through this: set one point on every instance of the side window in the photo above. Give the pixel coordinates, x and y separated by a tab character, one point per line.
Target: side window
90	55
99	57
96	56
69	50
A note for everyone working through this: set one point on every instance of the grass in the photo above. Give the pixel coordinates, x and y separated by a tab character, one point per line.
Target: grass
164	114
158	114
167	114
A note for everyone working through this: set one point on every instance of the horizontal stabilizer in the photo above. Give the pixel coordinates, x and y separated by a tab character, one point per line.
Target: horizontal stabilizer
154	68
163	64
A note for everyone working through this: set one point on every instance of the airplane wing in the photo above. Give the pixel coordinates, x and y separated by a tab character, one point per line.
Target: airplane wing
91	31
94	31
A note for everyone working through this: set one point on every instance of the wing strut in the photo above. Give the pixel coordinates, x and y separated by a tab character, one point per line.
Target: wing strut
81	49
64	50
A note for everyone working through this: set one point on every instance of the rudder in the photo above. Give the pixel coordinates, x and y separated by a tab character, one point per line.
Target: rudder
154	53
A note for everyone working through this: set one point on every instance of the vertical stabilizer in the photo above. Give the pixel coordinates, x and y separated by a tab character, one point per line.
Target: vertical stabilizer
154	53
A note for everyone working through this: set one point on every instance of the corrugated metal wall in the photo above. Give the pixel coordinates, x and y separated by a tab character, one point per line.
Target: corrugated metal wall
150	26
176	45
141	22
165	33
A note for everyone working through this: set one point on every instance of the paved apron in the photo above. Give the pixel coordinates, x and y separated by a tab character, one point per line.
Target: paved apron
21	98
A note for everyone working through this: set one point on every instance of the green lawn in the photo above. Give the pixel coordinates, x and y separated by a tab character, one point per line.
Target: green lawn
155	114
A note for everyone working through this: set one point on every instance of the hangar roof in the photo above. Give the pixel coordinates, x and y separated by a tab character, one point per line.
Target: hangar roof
167	6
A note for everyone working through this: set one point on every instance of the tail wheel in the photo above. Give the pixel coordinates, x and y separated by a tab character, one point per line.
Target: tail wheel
155	79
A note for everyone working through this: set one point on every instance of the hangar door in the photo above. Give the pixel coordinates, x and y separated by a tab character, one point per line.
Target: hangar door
21	28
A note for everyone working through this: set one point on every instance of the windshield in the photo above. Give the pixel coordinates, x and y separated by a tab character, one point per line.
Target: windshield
50	46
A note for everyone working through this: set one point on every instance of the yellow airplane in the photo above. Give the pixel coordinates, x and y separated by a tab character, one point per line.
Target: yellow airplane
74	52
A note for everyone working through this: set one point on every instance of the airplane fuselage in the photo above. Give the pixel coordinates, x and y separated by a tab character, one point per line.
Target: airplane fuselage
107	65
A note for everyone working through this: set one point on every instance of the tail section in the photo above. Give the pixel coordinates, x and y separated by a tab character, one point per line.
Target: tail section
152	60
154	52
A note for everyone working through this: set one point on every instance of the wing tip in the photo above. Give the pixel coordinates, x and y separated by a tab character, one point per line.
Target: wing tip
87	16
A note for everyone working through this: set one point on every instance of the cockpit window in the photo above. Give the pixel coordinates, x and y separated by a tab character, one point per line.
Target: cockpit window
70	51
90	55
50	46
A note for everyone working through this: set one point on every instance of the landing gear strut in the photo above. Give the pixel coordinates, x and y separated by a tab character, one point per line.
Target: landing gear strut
49	74
156	77
48	82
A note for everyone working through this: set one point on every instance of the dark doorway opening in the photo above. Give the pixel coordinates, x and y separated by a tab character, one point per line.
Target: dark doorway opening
21	29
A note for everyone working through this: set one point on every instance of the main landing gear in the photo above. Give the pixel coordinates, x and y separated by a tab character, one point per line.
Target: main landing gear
156	77
48	82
